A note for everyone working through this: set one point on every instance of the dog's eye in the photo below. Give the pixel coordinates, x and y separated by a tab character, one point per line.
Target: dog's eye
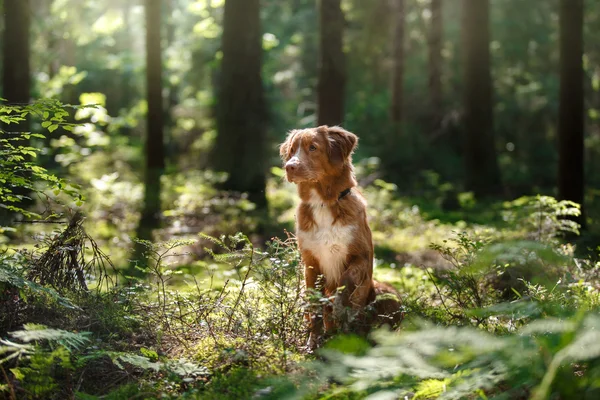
312	147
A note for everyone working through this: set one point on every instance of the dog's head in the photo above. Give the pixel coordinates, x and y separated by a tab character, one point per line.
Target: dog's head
309	155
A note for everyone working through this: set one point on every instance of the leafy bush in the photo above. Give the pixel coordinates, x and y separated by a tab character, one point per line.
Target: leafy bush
19	175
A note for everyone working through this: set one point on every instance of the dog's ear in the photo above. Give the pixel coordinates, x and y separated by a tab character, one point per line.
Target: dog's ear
341	143
285	147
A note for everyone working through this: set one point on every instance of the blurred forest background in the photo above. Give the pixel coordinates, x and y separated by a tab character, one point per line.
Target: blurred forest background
455	103
157	120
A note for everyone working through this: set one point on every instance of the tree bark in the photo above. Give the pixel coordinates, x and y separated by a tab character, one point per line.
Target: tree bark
398	62
240	148
571	108
16	77
16	80
435	61
154	144
332	64
482	172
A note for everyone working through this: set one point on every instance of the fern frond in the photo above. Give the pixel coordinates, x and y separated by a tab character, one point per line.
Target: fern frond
34	332
214	240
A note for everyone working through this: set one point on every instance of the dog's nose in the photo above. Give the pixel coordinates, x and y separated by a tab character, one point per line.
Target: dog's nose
291	165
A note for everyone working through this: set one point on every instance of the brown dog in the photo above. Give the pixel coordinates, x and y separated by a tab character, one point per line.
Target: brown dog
331	227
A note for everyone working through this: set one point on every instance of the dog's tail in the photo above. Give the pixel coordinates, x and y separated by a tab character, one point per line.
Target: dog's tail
385	306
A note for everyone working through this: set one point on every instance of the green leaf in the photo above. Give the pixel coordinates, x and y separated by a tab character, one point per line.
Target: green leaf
17	373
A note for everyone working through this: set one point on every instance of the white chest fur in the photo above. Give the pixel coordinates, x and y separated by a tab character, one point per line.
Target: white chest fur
327	242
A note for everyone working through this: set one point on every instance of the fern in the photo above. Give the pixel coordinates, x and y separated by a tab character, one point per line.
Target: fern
71	340
180	367
38	376
9	274
584	346
457	363
14	350
184	367
135	360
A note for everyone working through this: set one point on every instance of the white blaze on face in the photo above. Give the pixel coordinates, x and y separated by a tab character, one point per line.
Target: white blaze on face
298	157
327	242
294	161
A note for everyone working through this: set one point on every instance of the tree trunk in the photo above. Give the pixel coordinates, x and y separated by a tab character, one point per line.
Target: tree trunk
332	64
398	62
154	144
16	81
240	148
124	46
571	109
173	149
435	61
482	172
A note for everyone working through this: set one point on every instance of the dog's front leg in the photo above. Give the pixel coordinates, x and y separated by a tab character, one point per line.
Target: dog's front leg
357	289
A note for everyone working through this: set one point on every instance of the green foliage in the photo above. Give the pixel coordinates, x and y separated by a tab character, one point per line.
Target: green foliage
17	170
486	267
348	344
38	377
123	392
240	383
69	340
464	287
39	333
181	368
48	358
12	274
456	363
267	300
224	339
542	218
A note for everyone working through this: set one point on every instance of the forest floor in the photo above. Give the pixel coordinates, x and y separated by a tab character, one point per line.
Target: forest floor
215	314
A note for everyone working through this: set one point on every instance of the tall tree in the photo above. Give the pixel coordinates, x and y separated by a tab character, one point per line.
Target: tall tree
571	109
154	144
332	64
399	22
16	81
435	60
240	148
482	172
